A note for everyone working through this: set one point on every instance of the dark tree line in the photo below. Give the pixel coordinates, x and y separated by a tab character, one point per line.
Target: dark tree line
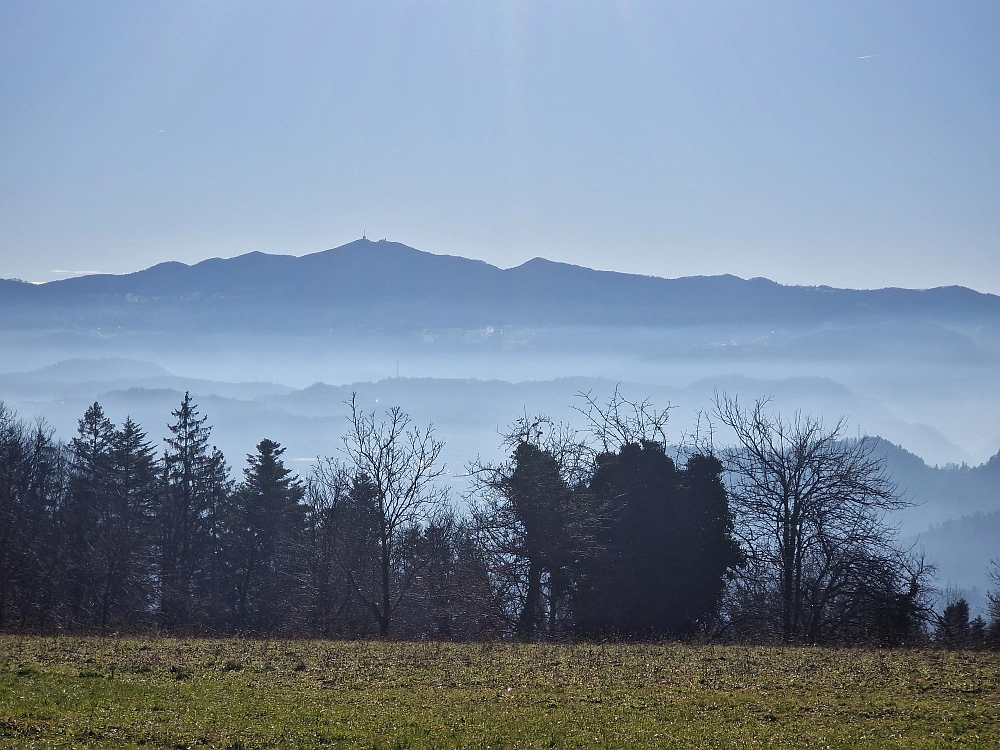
954	629
597	534
102	534
607	541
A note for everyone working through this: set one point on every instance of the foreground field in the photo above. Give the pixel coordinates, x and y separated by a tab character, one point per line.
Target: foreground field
72	692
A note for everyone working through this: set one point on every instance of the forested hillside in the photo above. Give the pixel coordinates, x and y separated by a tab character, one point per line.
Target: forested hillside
602	533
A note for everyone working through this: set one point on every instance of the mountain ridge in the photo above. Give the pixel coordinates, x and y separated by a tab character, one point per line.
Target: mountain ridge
392	285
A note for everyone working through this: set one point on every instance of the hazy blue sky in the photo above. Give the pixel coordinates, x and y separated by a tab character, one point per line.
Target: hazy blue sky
842	143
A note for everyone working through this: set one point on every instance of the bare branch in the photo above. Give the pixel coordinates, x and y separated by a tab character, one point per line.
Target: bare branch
811	509
620	422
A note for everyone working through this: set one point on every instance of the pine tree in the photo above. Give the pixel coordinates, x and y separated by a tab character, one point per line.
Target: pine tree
125	528
108	522
194	483
262	534
31	492
89	488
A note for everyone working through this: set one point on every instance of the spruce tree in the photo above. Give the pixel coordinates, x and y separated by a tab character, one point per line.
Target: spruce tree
108	522
31	494
89	487
194	483
125	528
262	535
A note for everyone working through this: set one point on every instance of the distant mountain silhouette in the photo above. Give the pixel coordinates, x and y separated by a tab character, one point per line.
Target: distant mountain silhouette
88	378
83	370
387	285
943	492
962	549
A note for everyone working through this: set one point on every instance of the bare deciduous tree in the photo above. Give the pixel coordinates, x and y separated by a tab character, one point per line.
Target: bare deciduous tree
811	513
993	606
399	465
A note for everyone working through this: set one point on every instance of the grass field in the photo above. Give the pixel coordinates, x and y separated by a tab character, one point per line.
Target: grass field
91	692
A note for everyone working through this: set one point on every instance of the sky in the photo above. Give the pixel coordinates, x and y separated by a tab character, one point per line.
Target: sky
845	143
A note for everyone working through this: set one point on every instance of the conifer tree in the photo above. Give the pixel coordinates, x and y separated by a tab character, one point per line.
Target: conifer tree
113	491
125	518
90	476
262	533
31	493
194	482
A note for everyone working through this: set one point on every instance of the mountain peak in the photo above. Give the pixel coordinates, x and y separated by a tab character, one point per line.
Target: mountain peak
381	283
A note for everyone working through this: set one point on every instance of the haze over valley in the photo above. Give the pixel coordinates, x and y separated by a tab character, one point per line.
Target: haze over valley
502	374
273	346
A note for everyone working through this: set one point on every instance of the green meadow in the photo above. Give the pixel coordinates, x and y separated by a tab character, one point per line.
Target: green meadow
62	692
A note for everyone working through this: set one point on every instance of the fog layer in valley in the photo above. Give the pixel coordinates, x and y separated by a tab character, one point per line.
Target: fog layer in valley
272	346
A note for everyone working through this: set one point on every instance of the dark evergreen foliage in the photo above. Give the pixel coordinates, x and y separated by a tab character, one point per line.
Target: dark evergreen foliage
194	485
122	516
562	541
542	504
665	547
531	528
32	482
953	627
260	542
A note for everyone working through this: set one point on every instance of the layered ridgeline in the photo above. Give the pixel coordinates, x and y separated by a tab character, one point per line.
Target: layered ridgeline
474	346
917	366
392	286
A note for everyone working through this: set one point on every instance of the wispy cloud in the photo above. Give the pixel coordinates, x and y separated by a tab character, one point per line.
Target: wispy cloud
865	57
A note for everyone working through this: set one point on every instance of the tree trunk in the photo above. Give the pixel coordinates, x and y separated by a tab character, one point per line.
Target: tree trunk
105	604
245	590
526	622
383	623
787	595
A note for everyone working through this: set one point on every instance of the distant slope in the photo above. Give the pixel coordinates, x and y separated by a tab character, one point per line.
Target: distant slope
88	378
469	415
389	285
962	549
922	364
943	493
84	370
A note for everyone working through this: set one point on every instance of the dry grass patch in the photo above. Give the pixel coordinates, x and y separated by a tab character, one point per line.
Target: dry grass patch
92	692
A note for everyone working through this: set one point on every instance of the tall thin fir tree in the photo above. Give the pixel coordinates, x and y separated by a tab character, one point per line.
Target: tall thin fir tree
194	479
125	520
89	479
